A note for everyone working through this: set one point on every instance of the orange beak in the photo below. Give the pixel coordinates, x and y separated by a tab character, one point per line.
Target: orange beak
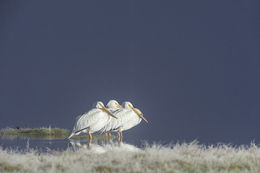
140	115
108	111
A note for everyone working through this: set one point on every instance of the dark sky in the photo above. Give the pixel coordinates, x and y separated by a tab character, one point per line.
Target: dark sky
192	67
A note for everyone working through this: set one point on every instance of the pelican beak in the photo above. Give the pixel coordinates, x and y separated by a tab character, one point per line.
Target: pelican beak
119	106
140	115
108	111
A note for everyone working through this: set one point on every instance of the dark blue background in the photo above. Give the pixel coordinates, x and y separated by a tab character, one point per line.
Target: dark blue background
192	67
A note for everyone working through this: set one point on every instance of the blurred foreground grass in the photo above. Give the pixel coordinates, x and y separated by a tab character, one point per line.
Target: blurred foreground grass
177	158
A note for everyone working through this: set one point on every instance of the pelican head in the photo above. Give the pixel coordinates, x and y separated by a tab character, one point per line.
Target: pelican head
128	105
114	105
101	106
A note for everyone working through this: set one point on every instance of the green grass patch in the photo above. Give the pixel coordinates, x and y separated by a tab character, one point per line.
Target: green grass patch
45	133
36	132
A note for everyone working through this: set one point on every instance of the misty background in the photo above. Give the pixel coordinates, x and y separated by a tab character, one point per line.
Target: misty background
192	67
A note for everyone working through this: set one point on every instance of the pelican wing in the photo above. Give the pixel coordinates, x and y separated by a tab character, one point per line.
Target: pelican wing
112	121
116	124
86	120
127	120
124	118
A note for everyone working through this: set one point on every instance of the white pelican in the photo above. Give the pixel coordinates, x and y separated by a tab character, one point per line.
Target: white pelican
113	106
128	117
92	121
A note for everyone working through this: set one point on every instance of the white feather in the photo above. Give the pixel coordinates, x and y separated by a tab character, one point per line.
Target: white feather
92	121
127	119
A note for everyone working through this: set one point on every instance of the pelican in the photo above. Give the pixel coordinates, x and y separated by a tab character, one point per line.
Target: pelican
92	121
113	106
128	117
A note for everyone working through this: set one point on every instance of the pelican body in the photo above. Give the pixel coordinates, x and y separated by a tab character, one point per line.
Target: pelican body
128	117
92	121
114	107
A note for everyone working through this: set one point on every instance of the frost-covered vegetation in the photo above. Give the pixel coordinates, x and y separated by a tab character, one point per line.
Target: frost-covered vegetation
178	158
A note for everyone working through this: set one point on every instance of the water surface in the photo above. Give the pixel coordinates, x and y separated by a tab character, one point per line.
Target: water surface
11	142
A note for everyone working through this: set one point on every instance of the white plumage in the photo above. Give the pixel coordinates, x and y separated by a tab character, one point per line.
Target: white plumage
128	117
92	121
114	107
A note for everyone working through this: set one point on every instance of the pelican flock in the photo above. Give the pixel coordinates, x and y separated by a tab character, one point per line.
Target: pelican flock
112	118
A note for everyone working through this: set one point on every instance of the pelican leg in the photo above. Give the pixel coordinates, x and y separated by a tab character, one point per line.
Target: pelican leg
106	138
109	138
90	138
121	136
